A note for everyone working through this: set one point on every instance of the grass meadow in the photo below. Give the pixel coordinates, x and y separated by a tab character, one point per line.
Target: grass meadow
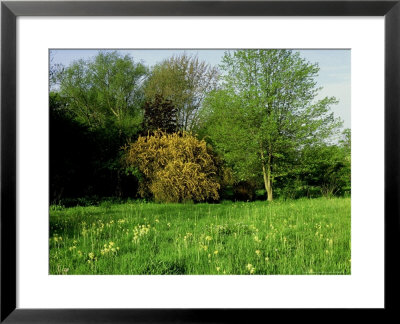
297	237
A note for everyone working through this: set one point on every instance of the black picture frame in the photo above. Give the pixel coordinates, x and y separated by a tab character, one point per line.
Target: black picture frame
10	10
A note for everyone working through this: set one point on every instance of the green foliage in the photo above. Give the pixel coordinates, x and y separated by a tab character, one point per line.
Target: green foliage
320	170
265	112
176	167
105	91
328	167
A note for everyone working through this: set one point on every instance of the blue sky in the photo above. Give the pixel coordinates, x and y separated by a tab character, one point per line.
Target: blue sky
334	75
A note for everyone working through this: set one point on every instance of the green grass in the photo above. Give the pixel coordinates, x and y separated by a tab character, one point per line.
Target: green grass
306	236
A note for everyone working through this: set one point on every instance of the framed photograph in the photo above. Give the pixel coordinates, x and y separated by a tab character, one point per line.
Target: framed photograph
190	161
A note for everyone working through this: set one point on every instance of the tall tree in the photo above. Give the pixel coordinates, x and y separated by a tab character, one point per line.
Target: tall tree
106	95
104	90
265	111
184	81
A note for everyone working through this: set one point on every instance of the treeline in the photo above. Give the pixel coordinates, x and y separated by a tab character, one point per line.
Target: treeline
187	131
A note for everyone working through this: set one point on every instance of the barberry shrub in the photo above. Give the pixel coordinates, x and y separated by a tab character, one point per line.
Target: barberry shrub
176	167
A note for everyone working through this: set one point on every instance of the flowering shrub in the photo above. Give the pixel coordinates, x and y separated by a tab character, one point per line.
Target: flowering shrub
175	167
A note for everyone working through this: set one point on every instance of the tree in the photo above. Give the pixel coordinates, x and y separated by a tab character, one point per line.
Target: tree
107	89
105	94
160	114
175	167
326	167
184	81
265	112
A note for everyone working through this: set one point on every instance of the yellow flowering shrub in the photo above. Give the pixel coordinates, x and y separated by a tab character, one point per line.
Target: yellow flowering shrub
176	167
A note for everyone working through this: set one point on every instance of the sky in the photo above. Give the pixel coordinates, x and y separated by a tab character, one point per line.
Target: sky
334	74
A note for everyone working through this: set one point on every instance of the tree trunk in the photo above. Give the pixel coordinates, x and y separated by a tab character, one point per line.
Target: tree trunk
266	165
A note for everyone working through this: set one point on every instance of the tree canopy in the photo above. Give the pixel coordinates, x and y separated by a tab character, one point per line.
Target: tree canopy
265	112
106	91
184	81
